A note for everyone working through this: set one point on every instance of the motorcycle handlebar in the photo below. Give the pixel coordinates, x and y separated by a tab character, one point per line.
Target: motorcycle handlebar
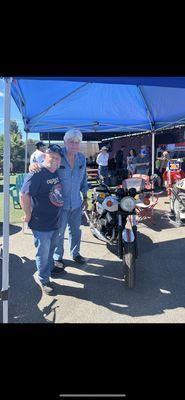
113	191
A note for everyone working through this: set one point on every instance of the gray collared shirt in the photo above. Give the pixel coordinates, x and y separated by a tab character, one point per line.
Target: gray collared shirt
73	181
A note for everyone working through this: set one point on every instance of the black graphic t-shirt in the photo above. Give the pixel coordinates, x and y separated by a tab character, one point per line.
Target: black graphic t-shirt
44	187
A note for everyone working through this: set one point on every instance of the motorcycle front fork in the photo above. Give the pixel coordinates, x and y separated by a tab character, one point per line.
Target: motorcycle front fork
127	235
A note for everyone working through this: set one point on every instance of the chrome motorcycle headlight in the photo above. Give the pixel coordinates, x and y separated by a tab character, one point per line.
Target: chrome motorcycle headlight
127	203
110	204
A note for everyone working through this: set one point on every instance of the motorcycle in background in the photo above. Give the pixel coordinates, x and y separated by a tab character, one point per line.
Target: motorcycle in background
175	186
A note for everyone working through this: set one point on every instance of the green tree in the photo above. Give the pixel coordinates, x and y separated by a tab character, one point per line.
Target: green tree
1	149
14	128
16	147
16	143
32	141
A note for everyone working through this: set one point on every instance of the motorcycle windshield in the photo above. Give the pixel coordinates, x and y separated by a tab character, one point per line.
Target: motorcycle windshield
136	183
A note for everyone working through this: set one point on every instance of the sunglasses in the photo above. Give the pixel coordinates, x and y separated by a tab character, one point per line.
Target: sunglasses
55	148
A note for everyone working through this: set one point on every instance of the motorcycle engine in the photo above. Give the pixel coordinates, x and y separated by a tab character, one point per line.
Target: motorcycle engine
104	207
105	221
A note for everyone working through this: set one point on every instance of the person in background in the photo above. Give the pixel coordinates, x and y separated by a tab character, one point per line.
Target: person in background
183	165
119	158
38	155
157	170
164	162
91	162
145	149
131	162
102	161
142	163
112	166
41	200
72	173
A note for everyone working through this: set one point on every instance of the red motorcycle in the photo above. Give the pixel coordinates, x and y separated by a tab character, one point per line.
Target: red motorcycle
172	175
175	187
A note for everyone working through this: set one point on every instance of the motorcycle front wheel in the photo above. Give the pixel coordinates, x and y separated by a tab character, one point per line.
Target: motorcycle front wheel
179	207
129	261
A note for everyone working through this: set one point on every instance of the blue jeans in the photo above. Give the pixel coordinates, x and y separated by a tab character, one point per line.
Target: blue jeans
103	171
45	243
72	218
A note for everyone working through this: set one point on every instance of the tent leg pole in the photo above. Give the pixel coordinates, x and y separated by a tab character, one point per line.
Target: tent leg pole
153	151
26	153
25	168
6	174
153	161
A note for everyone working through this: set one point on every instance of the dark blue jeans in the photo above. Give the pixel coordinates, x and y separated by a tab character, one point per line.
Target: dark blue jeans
45	243
103	171
72	218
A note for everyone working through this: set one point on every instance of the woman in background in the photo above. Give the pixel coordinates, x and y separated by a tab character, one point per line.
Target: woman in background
131	161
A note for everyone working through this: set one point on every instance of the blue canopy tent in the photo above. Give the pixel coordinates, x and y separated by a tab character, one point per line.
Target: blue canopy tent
136	104
93	104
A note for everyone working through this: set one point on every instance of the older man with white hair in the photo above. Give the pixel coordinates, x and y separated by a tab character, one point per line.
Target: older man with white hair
72	173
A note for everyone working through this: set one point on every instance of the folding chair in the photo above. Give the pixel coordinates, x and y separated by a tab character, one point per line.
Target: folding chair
145	211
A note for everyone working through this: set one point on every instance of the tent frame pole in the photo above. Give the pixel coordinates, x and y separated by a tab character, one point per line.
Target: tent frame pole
152	124
153	151
26	152
6	176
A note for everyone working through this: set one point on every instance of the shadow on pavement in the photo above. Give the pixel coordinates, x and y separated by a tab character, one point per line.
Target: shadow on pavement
1	186
160	284
13	229
160	281
25	293
160	221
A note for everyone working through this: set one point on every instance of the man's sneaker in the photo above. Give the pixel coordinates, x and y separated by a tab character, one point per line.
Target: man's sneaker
47	288
79	259
59	263
58	267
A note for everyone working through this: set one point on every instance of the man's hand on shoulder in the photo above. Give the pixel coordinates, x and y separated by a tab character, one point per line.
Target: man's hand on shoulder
34	167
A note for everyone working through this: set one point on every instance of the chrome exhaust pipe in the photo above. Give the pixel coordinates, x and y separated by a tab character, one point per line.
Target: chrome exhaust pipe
98	234
96	231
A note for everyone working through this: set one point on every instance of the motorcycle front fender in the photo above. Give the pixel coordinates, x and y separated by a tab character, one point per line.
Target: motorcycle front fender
128	235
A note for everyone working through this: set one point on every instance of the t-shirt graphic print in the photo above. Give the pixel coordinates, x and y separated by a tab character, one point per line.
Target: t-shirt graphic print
55	195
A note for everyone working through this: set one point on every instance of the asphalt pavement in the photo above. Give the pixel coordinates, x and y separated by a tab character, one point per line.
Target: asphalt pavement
96	292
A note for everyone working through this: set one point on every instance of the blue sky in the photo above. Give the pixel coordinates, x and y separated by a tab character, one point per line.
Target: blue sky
15	115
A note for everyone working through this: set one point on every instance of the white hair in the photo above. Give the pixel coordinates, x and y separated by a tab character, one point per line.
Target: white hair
73	134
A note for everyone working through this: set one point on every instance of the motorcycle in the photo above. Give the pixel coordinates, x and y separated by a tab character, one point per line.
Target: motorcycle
177	201
175	179
113	220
